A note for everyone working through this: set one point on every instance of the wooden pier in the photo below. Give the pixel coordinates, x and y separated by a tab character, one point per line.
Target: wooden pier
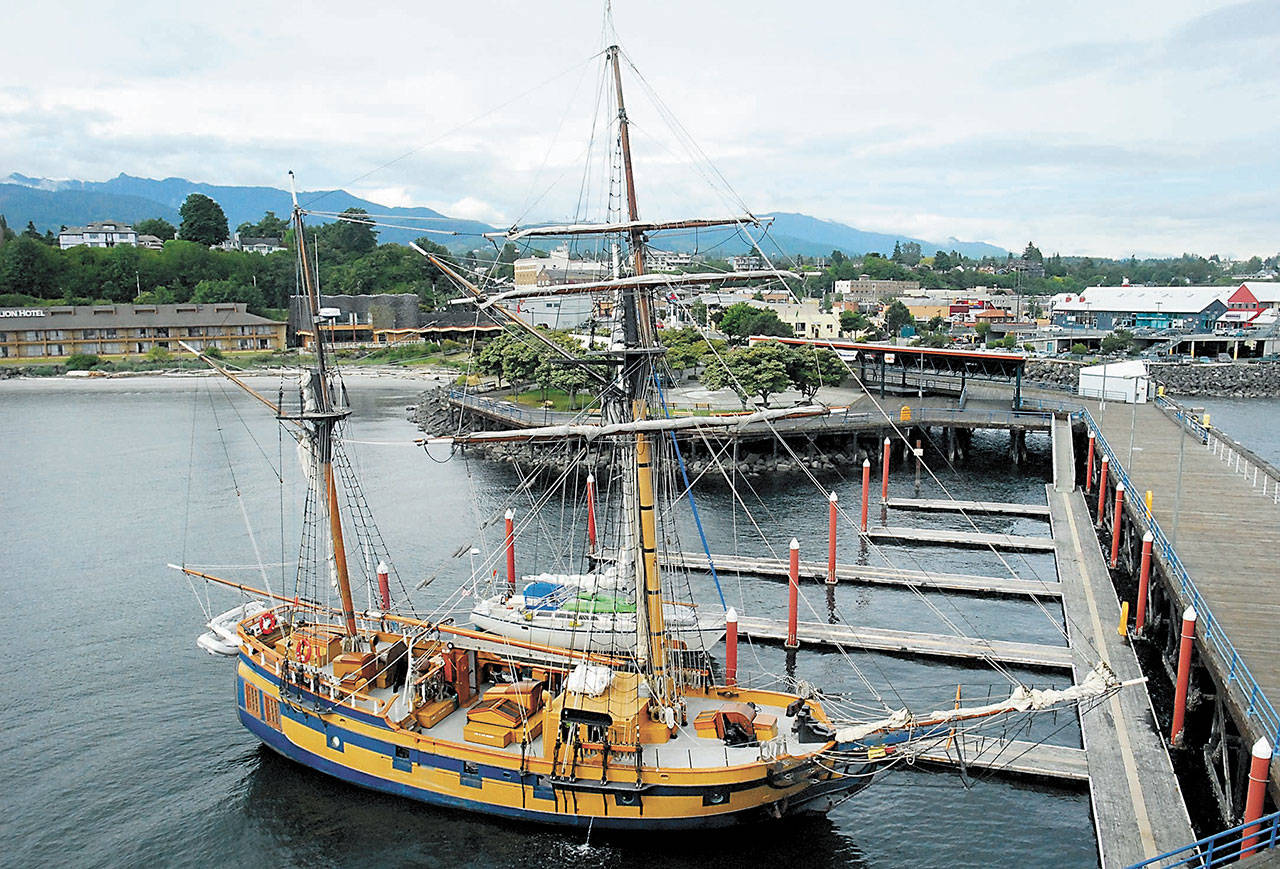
969	539
947	505
1007	586
1138	809
911	643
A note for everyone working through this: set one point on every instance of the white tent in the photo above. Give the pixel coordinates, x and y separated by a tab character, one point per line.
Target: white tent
1118	381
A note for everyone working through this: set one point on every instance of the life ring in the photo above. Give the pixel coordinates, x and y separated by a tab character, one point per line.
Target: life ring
267	623
304	650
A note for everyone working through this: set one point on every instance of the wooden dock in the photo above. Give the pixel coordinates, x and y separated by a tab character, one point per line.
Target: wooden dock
911	643
948	505
1007	586
968	539
1225	534
1011	756
1138	809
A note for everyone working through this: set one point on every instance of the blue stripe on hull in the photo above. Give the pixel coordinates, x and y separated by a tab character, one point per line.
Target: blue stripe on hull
277	741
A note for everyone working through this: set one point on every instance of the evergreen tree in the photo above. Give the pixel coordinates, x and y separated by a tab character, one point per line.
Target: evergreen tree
203	221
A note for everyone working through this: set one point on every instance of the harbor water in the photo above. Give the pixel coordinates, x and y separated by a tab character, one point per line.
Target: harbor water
122	744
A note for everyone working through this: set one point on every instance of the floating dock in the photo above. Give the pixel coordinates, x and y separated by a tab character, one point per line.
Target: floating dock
948	505
1034	759
1007	586
911	643
968	539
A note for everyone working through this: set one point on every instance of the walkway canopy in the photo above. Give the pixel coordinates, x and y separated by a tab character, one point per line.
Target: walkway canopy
902	370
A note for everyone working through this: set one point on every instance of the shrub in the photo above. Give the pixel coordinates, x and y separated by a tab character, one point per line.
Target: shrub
1079	349
157	354
82	362
214	352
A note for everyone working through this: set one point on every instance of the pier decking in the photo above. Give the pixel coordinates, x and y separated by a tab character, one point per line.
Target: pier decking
970	539
1036	759
870	574
947	505
911	642
1224	532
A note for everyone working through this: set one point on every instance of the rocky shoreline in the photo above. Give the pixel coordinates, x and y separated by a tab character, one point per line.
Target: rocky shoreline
1254	379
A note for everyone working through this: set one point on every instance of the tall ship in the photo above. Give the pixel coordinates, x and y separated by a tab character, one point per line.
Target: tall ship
591	693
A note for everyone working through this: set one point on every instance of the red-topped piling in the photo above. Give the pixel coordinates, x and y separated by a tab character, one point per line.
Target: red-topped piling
511	550
884	473
1102	491
1250	839
866	491
1088	474
1117	520
384	585
793	595
832	514
731	648
1144	583
1184	675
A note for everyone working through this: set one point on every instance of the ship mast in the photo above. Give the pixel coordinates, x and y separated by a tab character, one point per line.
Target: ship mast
641	348
323	420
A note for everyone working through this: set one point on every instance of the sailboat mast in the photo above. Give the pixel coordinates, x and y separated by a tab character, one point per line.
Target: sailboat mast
642	342
324	421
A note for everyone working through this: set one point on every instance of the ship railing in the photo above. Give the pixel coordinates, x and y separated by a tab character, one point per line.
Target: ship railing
1239	678
1221	848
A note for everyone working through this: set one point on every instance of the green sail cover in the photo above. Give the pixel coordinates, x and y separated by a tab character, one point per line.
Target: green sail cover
599	603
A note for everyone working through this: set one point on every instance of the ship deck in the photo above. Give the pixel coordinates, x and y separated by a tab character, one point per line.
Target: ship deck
685	750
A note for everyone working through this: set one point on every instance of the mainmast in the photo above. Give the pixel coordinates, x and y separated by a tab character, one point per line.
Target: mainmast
640	350
323	420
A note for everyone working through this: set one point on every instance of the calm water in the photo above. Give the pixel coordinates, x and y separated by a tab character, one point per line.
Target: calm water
1254	422
122	744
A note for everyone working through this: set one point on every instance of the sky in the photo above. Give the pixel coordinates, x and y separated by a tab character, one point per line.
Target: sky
1116	128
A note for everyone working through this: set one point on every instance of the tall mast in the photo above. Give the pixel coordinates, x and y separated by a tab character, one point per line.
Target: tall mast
323	421
641	341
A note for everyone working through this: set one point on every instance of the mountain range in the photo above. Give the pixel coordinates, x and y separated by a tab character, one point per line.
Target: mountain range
51	204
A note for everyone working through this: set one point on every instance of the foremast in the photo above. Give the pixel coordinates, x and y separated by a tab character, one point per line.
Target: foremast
320	418
640	348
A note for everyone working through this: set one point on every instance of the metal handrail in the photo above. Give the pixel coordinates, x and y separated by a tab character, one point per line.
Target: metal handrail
1220	848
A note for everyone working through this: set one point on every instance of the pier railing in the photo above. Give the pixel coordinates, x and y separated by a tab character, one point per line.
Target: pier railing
1221	848
1255	703
1261	475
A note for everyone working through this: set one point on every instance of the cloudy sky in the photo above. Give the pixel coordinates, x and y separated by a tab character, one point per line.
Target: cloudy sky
1112	128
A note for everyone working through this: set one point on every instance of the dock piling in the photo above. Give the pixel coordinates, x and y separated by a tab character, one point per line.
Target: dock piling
1144	584
384	585
884	473
1258	777
793	595
866	491
1184	676
731	648
1088	474
511	550
1117	521
1102	491
832	515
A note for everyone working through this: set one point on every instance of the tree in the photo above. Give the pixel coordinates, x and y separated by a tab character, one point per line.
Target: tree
983	328
853	321
352	234
742	320
896	316
698	310
941	262
203	221
1032	254
228	291
910	254
28	265
269	227
157	226
897	252
1078	349
838	258
760	369
811	368
1118	341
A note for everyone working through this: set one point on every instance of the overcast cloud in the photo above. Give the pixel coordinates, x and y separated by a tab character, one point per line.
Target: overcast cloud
1091	127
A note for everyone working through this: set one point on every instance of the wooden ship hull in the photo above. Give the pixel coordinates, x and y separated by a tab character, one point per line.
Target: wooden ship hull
438	754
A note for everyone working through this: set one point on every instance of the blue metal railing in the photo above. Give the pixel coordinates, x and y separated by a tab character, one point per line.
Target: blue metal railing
1187	420
1256	705
1220	848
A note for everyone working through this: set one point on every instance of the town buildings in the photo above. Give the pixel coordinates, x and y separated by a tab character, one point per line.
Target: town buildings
100	233
384	318
64	330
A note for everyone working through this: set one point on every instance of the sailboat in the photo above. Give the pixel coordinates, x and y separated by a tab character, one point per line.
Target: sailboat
638	732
